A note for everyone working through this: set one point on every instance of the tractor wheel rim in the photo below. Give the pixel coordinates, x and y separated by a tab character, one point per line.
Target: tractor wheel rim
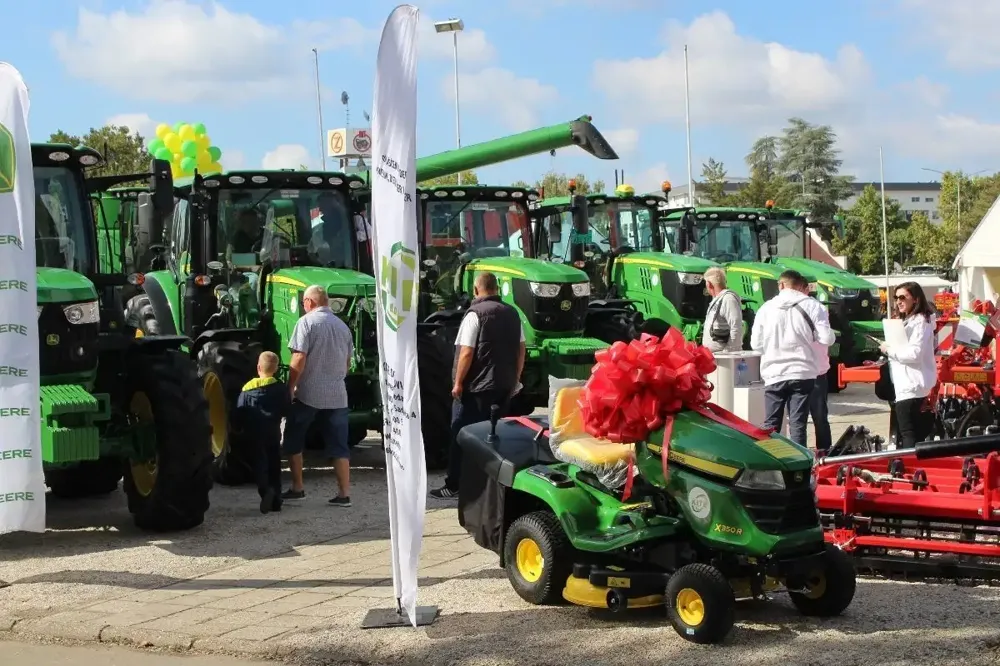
690	607
144	472
217	417
530	562
816	586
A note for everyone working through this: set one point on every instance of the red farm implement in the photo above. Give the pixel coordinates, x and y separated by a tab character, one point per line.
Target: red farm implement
928	513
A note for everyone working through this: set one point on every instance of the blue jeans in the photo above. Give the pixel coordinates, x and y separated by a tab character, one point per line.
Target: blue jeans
332	424
820	413
793	394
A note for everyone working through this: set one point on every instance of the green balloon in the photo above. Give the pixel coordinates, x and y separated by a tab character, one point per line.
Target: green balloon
189	149
215	153
199	129
155	145
188	164
177	127
164	154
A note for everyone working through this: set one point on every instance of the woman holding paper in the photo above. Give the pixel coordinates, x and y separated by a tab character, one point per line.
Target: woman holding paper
912	367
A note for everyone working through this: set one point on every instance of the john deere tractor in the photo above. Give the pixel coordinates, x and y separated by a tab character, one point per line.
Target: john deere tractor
756	245
244	246
112	404
618	241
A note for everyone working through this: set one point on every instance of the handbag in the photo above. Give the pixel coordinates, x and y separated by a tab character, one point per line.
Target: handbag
884	390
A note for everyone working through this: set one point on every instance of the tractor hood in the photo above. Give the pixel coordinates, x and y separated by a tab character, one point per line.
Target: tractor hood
58	285
710	447
769	270
681	263
338	281
534	270
826	275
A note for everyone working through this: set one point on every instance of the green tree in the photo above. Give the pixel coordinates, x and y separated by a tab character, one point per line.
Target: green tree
469	177
862	239
554	184
808	156
712	189
763	158
124	151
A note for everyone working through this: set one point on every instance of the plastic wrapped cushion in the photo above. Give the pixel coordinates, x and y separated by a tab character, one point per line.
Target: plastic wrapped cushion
570	442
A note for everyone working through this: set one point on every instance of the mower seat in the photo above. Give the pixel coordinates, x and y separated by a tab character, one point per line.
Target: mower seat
575	445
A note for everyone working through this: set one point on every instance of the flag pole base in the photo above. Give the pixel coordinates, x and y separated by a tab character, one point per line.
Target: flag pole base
387	618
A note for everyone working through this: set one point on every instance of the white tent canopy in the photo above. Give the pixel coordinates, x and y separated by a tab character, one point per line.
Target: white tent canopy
978	262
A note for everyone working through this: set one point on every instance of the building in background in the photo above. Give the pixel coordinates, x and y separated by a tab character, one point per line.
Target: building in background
912	197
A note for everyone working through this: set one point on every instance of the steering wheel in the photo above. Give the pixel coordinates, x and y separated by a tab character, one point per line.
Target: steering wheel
725	257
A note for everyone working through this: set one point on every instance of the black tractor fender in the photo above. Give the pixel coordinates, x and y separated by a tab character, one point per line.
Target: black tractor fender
611	304
161	306
443	318
223	335
156	344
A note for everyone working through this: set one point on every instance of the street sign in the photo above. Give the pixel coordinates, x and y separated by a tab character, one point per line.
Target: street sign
349	142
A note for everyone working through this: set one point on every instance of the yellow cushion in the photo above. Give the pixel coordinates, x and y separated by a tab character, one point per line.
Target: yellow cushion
575	443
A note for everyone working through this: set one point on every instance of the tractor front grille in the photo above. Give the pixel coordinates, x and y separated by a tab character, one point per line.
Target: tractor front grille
65	348
782	511
564	313
691	300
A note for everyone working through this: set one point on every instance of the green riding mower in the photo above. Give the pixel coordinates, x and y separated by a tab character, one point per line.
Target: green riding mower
611	526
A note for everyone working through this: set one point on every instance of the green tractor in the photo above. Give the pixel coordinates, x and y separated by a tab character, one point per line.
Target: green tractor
735	518
243	247
469	230
756	245
112	404
618	241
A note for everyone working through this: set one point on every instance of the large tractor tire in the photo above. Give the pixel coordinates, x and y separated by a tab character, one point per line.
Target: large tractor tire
612	328
85	479
139	313
435	355
223	368
169	491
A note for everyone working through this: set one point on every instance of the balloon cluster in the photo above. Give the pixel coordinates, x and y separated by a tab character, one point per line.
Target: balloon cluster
635	387
187	147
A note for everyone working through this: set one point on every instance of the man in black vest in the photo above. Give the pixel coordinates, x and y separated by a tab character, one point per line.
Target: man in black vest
489	357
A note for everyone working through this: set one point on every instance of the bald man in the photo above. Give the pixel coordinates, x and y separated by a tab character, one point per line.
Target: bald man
489	358
322	347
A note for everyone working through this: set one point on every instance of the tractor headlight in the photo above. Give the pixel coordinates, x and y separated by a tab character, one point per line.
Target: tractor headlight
581	289
846	293
690	278
761	479
369	305
875	293
82	313
544	290
337	305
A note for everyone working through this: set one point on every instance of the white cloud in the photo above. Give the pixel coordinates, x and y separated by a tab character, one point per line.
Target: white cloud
175	50
233	160
965	30
649	179
509	99
285	156
733	78
137	122
624	140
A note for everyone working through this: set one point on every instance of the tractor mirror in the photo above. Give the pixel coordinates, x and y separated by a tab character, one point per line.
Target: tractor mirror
555	229
145	226
581	222
772	241
161	184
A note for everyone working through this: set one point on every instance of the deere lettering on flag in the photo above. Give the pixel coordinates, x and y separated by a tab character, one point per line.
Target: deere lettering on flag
22	481
394	225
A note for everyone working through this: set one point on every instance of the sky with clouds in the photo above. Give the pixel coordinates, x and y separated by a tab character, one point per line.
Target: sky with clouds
918	77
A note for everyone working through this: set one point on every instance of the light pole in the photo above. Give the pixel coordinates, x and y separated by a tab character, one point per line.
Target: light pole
958	193
454	26
319	110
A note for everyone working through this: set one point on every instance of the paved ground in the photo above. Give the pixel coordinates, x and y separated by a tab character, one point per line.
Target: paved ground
23	654
295	586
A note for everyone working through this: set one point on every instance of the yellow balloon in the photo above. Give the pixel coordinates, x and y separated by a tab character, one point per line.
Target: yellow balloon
175	171
186	133
162	130
203	142
214	167
172	142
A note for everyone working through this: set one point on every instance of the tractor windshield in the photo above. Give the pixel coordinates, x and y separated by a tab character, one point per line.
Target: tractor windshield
305	227
63	224
725	240
481	228
624	223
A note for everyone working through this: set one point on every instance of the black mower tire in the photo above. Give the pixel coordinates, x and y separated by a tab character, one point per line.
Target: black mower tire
140	315
435	356
232	364
544	530
179	496
716	599
88	478
839	582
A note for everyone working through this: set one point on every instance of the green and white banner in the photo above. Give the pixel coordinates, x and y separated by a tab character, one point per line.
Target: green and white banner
22	481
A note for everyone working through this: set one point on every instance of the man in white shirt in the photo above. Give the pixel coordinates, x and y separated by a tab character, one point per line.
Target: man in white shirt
784	331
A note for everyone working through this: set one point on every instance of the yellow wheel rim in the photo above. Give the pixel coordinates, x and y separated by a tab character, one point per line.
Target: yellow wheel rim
530	563
139	333
690	607
816	586
143	472
217	417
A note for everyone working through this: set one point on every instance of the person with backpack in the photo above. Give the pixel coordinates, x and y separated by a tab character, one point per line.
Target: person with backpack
723	331
784	331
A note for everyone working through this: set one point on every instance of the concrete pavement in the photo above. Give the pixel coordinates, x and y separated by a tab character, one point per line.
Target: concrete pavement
23	654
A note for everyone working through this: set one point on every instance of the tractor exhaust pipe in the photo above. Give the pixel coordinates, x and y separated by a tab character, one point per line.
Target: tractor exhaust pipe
941	448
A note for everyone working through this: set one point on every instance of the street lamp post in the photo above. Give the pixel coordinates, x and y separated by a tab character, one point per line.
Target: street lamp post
958	193
454	26
319	111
